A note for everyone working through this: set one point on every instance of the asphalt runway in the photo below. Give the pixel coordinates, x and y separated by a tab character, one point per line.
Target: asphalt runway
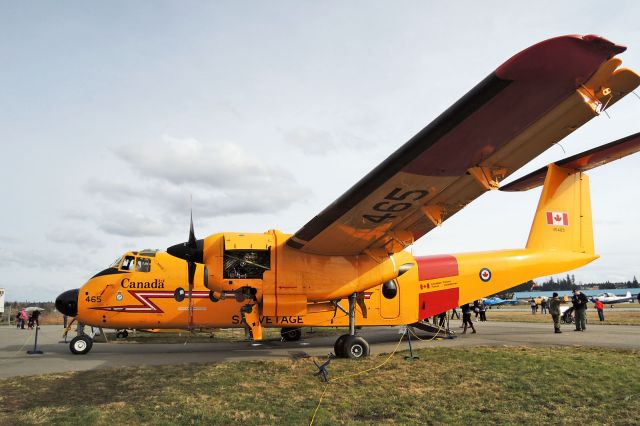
14	344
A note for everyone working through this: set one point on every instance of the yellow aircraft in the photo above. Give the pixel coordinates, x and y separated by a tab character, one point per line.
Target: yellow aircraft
352	255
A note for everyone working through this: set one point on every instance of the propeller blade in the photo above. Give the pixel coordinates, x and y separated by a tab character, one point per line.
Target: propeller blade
192	250
192	236
191	273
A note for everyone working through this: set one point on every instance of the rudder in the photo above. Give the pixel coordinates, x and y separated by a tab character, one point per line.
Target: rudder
563	217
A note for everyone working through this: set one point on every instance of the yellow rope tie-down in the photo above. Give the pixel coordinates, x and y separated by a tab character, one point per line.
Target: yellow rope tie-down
68	328
326	386
335	379
410	330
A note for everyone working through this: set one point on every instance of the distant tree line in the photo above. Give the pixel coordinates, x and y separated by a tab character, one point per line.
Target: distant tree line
569	283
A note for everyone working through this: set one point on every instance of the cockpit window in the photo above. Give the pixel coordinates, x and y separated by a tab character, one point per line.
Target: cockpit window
143	264
115	263
128	263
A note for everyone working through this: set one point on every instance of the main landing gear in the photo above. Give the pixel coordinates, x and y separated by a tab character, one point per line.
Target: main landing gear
350	345
291	334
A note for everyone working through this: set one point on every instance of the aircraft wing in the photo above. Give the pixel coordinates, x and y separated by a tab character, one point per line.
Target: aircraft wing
584	161
530	102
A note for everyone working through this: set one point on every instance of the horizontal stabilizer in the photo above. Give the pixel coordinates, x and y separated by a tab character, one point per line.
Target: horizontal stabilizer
581	162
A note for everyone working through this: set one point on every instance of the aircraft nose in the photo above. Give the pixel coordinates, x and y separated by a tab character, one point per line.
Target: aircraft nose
67	302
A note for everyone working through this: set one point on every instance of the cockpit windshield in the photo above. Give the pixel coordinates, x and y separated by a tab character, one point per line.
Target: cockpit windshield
143	264
128	263
115	263
133	263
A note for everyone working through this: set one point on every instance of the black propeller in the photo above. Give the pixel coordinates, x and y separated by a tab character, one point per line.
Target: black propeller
193	252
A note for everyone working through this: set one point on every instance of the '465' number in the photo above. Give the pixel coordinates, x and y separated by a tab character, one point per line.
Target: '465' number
395	202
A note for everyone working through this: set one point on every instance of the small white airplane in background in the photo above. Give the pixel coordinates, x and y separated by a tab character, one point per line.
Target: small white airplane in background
611	299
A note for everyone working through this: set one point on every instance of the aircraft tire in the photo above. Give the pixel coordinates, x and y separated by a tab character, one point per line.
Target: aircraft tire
338	347
122	334
355	347
80	345
291	334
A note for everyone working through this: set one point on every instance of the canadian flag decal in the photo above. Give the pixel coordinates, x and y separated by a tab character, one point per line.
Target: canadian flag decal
558	218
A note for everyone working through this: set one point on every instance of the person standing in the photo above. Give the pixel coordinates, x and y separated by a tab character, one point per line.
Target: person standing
532	302
580	301
483	311
600	309
454	312
36	317
543	306
466	318
554	310
24	317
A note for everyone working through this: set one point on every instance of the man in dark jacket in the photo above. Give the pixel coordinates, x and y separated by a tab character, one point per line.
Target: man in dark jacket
554	310
580	301
466	318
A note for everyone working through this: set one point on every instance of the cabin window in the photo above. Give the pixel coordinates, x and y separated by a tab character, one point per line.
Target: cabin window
143	264
239	264
128	263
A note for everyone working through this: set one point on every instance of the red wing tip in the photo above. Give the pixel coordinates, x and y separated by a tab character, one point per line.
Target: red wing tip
606	44
568	56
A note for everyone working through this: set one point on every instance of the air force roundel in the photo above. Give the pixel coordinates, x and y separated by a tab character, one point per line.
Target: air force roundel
485	274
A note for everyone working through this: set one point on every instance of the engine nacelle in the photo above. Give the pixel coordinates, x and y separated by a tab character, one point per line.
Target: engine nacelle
237	261
285	280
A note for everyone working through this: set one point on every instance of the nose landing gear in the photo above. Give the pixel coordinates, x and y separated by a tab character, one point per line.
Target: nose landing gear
81	344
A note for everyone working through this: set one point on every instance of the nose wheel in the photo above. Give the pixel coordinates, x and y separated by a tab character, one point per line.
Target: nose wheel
349	345
81	345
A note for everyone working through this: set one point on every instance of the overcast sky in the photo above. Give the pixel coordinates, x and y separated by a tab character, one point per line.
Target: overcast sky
114	114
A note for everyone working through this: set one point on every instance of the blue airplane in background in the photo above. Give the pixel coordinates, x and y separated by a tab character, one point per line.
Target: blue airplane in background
496	301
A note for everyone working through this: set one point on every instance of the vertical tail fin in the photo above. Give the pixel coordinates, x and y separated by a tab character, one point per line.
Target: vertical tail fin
563	218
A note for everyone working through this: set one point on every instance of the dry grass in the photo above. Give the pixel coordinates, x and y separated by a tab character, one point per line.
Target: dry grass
446	386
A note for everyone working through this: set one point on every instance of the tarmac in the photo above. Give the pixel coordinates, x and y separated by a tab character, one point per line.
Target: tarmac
14	344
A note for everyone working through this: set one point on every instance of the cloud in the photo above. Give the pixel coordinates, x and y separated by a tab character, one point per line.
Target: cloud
310	141
116	191
321	142
221	178
131	224
83	240
48	260
189	161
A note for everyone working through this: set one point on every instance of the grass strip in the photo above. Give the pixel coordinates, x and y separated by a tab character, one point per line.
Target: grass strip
461	385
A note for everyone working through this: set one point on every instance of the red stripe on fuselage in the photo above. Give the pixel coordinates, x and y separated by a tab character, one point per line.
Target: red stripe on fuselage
147	306
436	302
440	266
